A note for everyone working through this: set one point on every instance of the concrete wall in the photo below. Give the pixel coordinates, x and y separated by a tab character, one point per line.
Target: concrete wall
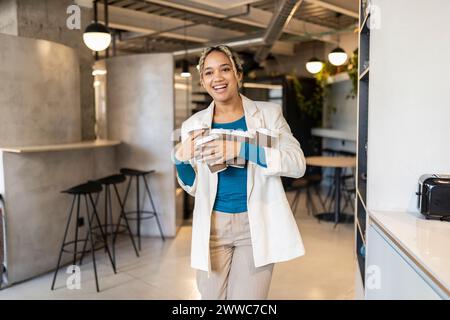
35	227
46	19
8	17
345	116
140	98
39	95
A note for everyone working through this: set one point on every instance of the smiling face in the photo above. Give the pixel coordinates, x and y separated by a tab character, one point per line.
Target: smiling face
219	78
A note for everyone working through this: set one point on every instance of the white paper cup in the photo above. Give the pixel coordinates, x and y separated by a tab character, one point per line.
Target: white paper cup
242	137
216	167
265	137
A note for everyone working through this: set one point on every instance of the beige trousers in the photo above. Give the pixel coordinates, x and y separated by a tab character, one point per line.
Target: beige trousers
233	274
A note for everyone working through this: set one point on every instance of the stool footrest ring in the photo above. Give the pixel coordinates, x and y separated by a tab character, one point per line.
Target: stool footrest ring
144	214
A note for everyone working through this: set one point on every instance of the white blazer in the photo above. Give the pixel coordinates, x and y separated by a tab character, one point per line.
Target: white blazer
274	232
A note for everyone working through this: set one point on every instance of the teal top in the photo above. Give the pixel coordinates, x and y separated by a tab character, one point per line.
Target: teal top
231	194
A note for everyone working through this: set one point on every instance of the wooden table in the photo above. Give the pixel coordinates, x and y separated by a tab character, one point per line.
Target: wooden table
338	163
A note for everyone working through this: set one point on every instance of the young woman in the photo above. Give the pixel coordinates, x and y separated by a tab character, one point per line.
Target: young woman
242	221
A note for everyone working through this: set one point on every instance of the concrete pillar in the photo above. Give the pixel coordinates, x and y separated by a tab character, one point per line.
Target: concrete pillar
140	95
40	94
46	19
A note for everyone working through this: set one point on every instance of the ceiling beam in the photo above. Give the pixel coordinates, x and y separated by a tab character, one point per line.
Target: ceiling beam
139	23
143	22
256	17
280	47
334	7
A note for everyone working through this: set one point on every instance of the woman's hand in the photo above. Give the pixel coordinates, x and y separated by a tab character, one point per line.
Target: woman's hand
185	150
218	151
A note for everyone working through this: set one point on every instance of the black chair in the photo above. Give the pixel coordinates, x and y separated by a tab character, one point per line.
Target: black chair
347	181
86	190
311	180
140	214
110	228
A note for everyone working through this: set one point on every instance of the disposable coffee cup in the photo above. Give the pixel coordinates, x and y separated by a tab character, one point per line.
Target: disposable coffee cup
216	167
242	137
206	139
221	133
265	137
206	130
227	134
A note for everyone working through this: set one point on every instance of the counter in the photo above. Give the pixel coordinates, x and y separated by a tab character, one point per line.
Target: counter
62	147
422	243
31	181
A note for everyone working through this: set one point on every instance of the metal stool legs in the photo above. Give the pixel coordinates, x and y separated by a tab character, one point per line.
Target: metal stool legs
123	216
139	211
109	223
64	239
89	218
153	207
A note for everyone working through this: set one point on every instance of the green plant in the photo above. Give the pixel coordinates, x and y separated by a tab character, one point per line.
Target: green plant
323	78
314	106
311	107
352	70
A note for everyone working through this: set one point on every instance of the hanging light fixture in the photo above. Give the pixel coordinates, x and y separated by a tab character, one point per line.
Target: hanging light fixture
185	73
97	36
337	56
314	65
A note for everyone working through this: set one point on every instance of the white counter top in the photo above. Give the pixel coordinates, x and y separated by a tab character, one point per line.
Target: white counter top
424	241
334	134
62	147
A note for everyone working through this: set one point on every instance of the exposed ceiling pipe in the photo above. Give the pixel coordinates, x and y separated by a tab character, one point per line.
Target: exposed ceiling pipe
321	35
242	42
280	19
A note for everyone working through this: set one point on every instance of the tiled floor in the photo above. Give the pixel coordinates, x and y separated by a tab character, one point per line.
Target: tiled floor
163	271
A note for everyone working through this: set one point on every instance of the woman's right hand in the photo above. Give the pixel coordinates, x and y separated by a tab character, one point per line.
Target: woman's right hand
185	150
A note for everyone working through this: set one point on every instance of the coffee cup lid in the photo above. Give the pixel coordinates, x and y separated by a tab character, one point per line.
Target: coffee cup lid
267	132
241	133
220	131
207	139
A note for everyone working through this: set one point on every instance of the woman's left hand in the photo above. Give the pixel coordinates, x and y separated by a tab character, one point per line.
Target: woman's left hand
218	151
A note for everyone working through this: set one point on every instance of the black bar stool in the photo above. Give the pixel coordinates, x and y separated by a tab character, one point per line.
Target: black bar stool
112	229
86	190
138	213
